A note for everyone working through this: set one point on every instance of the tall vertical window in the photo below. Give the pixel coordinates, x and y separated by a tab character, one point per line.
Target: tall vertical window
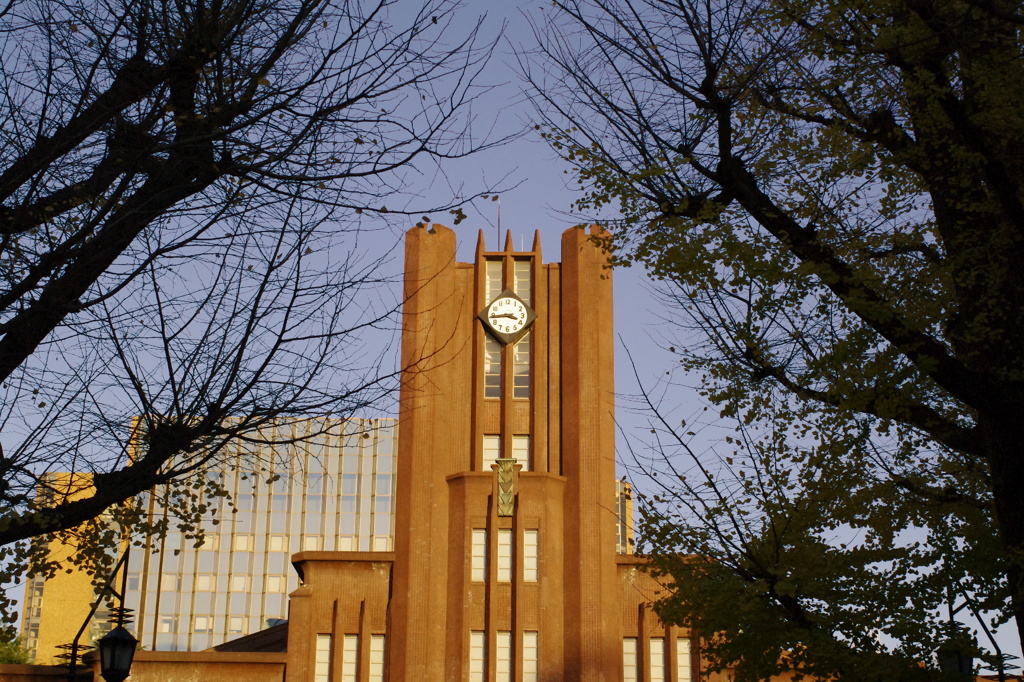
521	451
350	659
629	662
322	666
623	517
505	555
503	658
522	281
492	280
492	367
376	658
492	451
657	659
521	367
531	648
478	561
531	540
477	656
683	672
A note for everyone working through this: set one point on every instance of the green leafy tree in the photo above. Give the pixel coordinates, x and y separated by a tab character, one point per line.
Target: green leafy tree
831	192
180	265
792	548
11	651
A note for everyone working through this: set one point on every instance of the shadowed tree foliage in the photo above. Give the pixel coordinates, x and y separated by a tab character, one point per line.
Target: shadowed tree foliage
831	192
180	265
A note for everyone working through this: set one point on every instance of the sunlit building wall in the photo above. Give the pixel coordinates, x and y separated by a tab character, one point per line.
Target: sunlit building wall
55	608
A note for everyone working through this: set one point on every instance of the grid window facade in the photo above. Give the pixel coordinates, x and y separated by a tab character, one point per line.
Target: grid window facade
332	489
629	660
504	555
657	659
504	656
531	650
683	666
477	656
531	551
478	560
322	666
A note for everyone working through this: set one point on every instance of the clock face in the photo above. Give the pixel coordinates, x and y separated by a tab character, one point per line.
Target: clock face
507	317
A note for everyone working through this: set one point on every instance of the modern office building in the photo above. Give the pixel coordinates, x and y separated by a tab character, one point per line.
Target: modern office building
331	489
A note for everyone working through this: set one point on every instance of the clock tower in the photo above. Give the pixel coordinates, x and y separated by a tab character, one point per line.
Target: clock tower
509	563
506	482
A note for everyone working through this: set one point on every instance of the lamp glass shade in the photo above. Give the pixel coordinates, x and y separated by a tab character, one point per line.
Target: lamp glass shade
117	649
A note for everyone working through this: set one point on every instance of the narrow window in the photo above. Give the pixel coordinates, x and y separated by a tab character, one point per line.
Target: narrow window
683	673
629	666
521	367
478	564
624	517
477	656
376	658
521	280
350	659
657	659
492	367
531	540
521	451
530	656
492	451
492	280
503	661
505	555
322	668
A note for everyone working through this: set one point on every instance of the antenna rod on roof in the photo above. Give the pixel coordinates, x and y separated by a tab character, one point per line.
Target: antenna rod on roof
499	219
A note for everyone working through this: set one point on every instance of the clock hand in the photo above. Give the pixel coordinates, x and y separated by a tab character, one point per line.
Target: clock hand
500	315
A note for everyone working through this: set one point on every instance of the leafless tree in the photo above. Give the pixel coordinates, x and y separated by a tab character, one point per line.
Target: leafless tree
180	186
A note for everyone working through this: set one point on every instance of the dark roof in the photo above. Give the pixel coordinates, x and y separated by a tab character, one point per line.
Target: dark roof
273	639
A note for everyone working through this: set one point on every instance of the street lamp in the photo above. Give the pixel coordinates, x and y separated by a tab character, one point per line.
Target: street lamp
117	649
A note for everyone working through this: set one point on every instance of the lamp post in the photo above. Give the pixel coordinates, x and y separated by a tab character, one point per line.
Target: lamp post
117	647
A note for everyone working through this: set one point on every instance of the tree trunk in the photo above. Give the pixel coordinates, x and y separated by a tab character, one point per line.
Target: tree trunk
1005	447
